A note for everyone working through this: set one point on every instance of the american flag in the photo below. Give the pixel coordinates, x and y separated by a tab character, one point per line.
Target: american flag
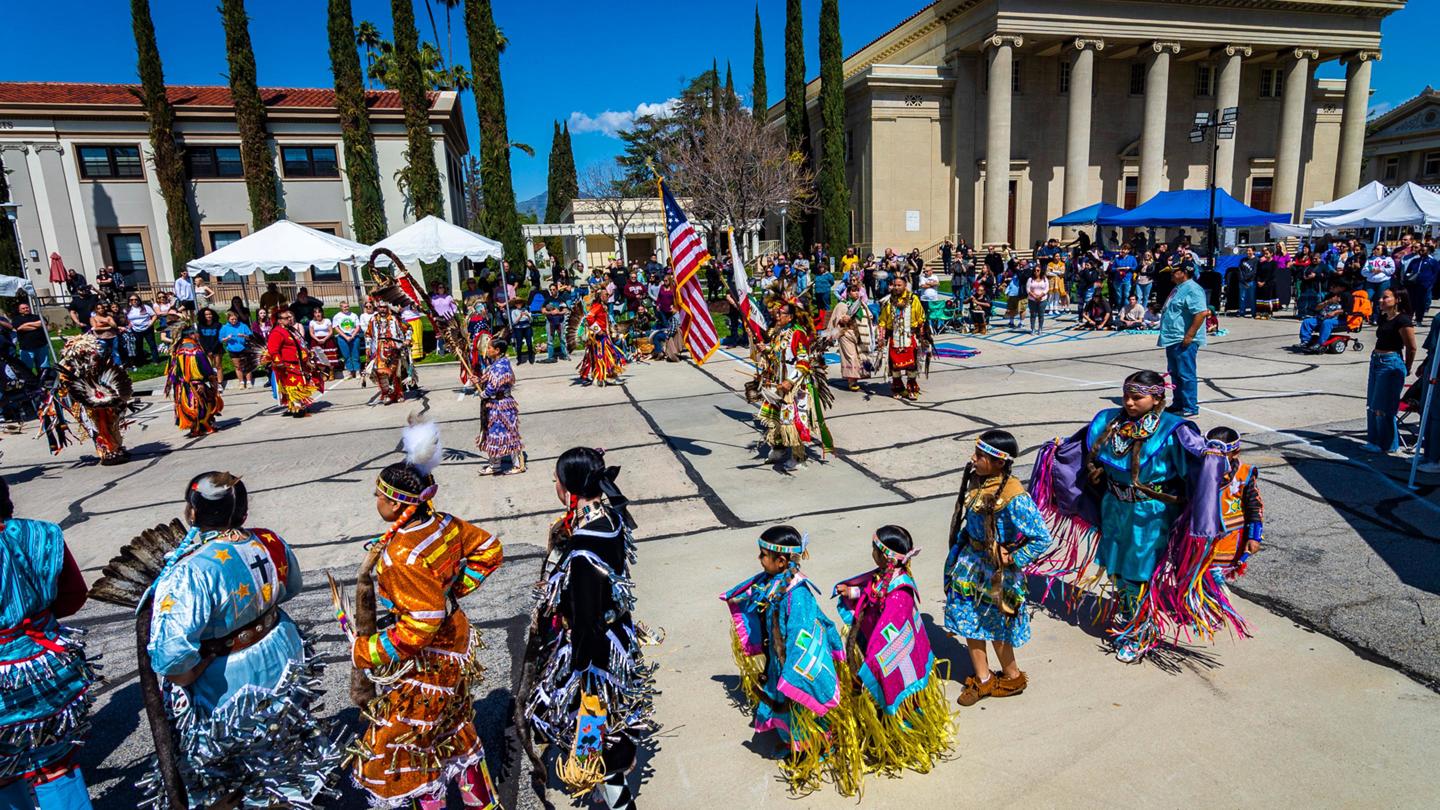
687	257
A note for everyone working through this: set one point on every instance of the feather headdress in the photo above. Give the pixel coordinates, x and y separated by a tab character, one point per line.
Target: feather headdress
421	440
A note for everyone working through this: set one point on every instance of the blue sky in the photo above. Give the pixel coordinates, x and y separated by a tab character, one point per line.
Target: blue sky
576	60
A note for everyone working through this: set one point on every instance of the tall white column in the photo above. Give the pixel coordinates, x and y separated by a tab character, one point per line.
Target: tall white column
1352	121
997	137
1152	131
1077	125
1292	130
1228	95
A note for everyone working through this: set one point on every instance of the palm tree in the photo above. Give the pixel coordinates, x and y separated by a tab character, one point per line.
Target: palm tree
169	158
367	36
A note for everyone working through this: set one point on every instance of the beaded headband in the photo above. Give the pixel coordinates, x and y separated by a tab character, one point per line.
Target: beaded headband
401	496
893	556
991	450
779	549
1224	447
1148	390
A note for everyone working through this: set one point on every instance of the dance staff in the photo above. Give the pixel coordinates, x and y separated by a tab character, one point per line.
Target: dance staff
995	532
793	392
586	688
237	675
1136	493
193	384
44	677
499	435
905	330
901	714
793	668
603	361
421	654
291	367
853	331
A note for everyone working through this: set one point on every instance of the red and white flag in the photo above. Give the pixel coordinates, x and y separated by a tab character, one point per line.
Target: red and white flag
687	257
742	291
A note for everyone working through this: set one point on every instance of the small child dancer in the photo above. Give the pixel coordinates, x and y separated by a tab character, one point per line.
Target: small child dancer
798	689
901	714
1241	510
994	533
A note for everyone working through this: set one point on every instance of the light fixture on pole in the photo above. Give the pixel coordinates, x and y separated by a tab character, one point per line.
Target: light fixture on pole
1214	127
784	206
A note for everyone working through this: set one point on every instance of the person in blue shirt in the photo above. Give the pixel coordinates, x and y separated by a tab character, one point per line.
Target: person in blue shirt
1421	273
821	288
1122	274
1332	309
1182	333
234	336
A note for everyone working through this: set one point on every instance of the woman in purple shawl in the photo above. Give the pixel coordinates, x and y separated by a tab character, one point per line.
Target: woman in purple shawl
901	713
1135	492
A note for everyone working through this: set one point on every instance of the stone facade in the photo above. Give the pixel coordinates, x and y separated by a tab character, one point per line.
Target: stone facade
963	85
56	139
1404	144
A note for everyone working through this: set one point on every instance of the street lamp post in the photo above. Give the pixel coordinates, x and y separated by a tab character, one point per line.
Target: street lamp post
1214	127
784	206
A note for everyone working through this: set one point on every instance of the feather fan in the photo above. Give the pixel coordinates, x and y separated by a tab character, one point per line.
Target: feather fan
125	578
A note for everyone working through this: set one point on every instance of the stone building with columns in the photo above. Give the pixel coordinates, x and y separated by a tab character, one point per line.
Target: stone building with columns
988	118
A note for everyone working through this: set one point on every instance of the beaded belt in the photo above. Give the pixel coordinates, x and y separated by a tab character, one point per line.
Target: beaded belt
1133	494
246	636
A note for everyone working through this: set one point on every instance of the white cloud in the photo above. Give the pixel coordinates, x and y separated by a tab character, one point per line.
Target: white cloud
1379	109
612	122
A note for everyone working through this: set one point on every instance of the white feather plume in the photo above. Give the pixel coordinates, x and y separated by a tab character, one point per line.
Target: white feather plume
421	440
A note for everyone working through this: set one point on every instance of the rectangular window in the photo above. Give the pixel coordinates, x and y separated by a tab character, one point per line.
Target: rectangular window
1205	77
1271	83
1431	164
219	239
1260	192
325	273
1132	192
1065	66
1015	75
213	161
105	162
127	250
1137	78
1392	167
309	161
849	147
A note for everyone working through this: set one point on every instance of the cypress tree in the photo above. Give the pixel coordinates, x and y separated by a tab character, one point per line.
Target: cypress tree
421	174
569	178
11	263
714	88
797	120
834	193
362	169
732	102
260	181
501	221
757	89
169	158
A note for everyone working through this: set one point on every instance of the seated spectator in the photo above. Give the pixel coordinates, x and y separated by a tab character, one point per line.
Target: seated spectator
1326	320
1096	313
1152	316
1133	314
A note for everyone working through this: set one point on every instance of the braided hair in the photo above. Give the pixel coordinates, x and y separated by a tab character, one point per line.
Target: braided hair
1144	378
583	474
787	538
7	506
1223	435
404	476
1005	442
217	501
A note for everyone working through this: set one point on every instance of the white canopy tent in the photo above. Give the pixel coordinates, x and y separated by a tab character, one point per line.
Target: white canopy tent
1407	205
280	246
432	239
1362	197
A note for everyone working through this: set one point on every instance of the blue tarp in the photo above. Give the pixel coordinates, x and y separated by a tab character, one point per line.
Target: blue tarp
1088	215
1191	208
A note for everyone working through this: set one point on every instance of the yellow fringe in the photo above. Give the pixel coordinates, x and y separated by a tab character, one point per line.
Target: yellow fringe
581	774
752	669
829	748
913	738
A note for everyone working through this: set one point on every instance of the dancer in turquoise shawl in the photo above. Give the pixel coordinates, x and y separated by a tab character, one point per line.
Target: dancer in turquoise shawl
995	531
44	678
1136	492
240	680
798	687
901	714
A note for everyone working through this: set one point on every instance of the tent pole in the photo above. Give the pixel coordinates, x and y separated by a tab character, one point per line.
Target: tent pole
1420	437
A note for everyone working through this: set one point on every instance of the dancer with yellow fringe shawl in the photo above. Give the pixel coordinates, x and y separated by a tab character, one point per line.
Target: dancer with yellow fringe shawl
900	712
422	656
193	384
793	668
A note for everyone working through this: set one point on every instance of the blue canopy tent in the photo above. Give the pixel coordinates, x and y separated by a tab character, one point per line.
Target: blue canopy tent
1087	215
1191	208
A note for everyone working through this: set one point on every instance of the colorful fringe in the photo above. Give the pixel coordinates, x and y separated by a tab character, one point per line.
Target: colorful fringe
1076	542
917	734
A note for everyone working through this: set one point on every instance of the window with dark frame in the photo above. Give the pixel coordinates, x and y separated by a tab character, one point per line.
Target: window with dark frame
213	162
1261	189
106	162
1271	83
1205	80
127	255
1431	165
1137	78
1392	167
1015	75
1065	66
325	273
849	147
309	161
1132	191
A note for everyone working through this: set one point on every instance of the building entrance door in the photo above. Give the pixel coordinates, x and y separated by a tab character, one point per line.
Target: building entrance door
1010	216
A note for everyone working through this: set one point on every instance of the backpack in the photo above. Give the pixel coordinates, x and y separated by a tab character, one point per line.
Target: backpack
1360	310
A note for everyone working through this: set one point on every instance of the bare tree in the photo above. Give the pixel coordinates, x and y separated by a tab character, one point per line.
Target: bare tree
739	172
605	188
